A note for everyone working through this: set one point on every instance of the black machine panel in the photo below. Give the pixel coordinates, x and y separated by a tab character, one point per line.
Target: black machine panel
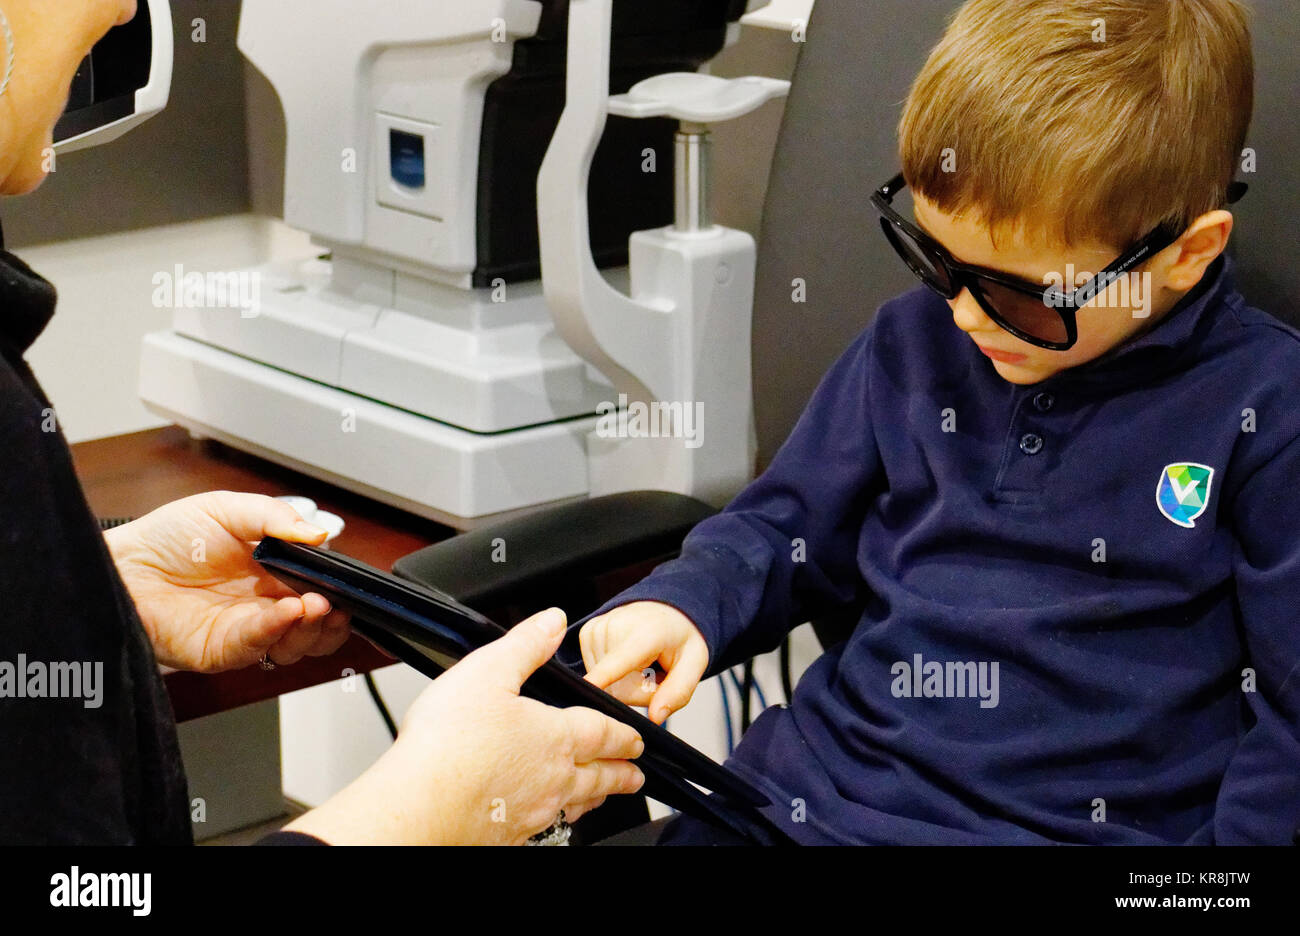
105	84
523	108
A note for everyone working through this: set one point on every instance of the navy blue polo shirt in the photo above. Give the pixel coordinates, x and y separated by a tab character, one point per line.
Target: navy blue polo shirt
1080	599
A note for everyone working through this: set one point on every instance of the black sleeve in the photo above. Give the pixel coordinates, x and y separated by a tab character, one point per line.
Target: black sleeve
90	749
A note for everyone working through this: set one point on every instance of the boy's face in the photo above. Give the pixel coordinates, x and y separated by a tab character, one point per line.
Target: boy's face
1104	323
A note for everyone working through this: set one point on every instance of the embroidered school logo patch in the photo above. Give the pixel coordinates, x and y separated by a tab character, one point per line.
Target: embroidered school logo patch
1184	491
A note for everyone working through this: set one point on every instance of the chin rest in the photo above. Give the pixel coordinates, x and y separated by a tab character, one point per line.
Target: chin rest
557	555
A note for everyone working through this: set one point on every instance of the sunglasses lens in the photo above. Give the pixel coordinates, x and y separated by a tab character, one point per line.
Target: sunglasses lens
923	263
1029	314
1017	311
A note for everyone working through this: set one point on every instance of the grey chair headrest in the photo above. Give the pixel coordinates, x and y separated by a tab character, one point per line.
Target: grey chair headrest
839	142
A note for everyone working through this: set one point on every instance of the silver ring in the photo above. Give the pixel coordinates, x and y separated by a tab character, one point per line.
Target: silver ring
558	833
266	662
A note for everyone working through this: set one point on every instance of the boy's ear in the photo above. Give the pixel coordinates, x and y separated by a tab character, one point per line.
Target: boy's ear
1199	246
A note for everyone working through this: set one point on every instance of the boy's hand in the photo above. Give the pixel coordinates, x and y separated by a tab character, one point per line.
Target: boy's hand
619	648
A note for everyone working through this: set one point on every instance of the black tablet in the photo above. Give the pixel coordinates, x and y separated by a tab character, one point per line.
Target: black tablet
429	630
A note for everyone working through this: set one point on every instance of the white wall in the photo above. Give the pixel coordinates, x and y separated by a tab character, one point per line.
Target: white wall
88	358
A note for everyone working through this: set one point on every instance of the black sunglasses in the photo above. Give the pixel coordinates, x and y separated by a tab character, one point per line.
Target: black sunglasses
1039	314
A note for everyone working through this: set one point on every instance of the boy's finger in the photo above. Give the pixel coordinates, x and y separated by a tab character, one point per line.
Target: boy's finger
624	660
633	689
679	685
587	642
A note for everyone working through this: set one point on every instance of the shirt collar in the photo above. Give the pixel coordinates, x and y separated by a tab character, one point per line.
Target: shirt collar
1167	342
27	303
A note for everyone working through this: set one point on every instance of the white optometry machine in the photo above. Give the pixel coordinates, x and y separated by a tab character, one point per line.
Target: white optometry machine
456	350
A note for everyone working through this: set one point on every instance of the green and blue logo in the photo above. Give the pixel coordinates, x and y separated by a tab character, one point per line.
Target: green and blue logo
1183	491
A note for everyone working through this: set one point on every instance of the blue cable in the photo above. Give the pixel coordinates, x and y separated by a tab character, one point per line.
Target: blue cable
726	703
740	690
735	683
726	714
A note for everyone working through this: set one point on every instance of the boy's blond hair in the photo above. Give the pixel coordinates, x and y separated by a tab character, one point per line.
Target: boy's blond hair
1082	120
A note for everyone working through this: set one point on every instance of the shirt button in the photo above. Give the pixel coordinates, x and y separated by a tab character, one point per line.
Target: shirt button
1030	443
1044	402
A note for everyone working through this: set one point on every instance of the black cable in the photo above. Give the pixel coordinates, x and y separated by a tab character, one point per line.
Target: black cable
107	523
787	683
746	690
379	704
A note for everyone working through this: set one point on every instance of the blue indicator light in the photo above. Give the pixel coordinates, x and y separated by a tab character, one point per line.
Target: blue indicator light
406	158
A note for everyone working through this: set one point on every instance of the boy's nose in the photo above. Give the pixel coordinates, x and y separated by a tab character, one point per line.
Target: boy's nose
968	315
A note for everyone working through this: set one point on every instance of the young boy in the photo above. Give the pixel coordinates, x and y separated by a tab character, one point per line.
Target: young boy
1073	530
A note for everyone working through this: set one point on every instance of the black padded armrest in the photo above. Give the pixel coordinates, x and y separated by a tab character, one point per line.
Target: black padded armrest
552	546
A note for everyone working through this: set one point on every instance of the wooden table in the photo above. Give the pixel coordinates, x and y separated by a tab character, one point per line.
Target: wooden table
129	475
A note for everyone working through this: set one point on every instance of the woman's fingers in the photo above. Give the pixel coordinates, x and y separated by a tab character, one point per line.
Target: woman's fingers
334	633
253	516
253	624
297	641
295	627
575	811
508	661
597	737
604	778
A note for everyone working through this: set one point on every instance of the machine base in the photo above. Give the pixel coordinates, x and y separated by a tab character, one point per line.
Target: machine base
459	478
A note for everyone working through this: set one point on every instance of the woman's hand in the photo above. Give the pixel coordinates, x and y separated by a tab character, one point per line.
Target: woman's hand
476	763
205	604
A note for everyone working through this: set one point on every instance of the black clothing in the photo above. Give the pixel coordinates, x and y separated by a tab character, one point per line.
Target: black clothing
102	766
